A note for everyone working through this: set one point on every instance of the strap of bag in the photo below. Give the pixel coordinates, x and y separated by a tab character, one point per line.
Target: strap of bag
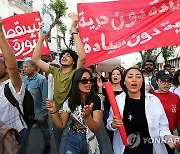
10	97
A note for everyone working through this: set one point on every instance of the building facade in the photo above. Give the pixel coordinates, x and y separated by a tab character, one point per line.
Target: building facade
175	59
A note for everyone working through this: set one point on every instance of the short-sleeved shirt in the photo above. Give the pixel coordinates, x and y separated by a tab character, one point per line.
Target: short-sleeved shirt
79	125
62	84
171	104
8	113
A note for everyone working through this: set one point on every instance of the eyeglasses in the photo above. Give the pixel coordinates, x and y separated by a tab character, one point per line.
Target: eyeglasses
85	81
164	82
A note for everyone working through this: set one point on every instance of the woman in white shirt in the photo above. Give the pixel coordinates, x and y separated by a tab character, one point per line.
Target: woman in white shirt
144	119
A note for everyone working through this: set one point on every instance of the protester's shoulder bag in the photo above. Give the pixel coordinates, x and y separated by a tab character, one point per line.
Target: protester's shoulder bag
28	105
9	140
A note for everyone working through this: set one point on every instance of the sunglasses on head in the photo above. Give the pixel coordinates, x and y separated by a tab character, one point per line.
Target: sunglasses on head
85	81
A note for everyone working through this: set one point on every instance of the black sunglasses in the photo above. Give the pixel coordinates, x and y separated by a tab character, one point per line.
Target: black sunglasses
85	81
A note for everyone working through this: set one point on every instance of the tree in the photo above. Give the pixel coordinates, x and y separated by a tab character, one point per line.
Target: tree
147	54
59	7
166	52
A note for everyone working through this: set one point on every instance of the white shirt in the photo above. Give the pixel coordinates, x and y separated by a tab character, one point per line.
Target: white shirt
8	113
175	90
156	118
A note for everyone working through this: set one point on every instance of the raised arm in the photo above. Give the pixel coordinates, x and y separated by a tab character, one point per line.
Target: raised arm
78	42
10	60
36	57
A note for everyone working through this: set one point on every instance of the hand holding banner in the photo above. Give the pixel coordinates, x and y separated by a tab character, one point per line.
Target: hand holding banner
115	109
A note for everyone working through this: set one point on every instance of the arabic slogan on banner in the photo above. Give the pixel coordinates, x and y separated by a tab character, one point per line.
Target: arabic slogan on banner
21	31
110	29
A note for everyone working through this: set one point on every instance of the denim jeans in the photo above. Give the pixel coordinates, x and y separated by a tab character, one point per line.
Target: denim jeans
76	143
44	127
64	139
57	136
23	141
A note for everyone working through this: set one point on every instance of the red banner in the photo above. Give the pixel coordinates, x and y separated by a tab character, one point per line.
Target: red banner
110	29
21	31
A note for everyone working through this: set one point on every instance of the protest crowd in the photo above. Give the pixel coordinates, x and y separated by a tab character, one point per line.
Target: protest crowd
144	119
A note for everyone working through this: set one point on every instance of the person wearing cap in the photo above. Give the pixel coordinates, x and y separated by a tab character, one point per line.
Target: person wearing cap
169	100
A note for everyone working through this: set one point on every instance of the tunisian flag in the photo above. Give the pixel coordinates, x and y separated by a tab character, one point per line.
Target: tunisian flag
21	31
110	29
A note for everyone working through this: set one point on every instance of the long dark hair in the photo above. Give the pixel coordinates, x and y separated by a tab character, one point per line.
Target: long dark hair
142	89
117	68
74	96
176	76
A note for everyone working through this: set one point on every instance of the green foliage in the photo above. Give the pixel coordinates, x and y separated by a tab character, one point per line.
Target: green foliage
62	27
59	7
147	54
139	64
167	52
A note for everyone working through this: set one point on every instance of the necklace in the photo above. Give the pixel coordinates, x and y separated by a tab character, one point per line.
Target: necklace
131	109
130	116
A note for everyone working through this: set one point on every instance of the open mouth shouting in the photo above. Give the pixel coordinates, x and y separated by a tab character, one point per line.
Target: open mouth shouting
133	86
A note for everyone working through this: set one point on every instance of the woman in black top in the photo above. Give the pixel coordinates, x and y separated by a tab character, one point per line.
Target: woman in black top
83	108
144	119
115	78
